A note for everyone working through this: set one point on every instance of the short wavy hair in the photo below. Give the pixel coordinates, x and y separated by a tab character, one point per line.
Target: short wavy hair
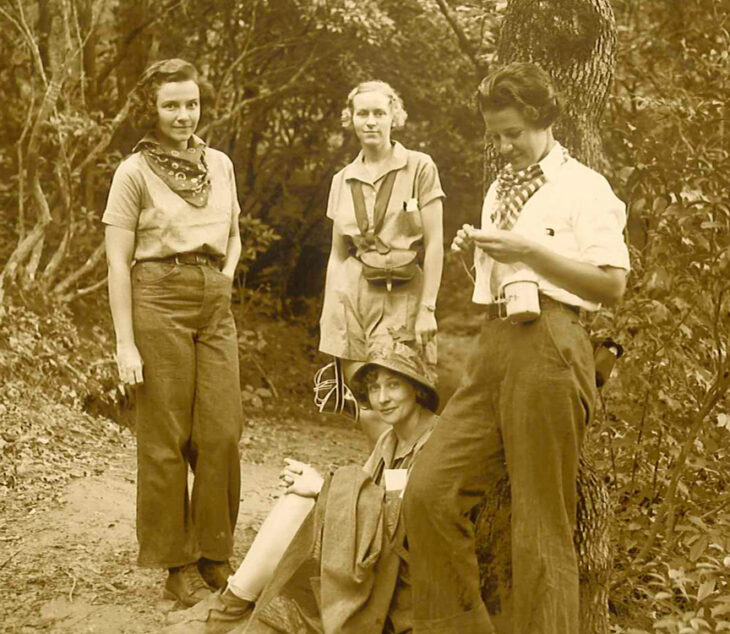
524	86
394	99
143	106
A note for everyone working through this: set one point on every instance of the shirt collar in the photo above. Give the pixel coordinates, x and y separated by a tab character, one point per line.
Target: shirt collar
357	170
429	420
552	163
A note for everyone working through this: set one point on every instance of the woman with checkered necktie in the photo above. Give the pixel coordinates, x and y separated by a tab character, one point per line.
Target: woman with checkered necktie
529	387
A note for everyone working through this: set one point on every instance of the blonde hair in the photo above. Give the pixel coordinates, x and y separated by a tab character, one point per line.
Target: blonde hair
394	100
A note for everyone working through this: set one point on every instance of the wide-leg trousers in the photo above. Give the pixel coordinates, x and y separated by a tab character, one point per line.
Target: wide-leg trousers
523	403
188	413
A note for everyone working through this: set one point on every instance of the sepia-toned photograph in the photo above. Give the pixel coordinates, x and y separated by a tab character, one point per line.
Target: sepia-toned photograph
365	316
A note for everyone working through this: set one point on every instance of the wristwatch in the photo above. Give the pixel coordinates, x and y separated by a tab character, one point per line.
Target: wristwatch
429	307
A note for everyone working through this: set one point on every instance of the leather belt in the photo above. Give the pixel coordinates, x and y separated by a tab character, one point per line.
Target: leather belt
193	259
546	303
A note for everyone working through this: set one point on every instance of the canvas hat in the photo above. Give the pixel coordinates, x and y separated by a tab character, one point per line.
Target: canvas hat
402	359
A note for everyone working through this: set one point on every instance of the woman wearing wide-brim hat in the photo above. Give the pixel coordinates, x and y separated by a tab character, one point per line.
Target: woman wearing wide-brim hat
331	555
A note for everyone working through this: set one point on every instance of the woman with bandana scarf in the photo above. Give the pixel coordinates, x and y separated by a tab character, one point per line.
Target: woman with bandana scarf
172	242
528	388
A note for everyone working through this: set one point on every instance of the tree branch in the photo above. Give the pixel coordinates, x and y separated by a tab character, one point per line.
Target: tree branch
84	291
104	140
21	168
133	35
22	26
244	52
464	43
247	102
85	268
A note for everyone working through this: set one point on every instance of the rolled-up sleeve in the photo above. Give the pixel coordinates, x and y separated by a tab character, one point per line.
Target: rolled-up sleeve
124	202
428	183
599	223
235	205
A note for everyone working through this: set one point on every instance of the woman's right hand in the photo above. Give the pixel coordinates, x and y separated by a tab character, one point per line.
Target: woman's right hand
129	364
301	479
462	243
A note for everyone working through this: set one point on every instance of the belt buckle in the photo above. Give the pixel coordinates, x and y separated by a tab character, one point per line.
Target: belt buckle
501	303
498	308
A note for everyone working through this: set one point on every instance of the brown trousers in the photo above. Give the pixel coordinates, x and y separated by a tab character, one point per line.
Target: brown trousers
525	398
188	413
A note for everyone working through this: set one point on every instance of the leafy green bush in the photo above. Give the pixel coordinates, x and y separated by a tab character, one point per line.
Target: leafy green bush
664	429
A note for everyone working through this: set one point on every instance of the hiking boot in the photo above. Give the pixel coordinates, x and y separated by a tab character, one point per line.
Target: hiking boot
220	612
185	585
215	573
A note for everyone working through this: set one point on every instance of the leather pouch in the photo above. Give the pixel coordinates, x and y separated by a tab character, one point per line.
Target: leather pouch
393	267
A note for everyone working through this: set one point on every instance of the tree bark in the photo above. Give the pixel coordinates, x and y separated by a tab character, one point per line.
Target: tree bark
575	42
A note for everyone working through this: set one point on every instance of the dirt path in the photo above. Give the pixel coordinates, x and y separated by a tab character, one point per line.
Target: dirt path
68	567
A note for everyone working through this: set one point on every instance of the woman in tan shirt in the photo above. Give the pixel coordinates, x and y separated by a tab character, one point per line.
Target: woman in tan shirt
172	246
386	210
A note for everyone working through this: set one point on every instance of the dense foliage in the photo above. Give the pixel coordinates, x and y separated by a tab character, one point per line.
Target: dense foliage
665	433
280	72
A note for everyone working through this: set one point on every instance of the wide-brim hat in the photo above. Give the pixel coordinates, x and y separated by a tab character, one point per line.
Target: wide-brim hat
401	358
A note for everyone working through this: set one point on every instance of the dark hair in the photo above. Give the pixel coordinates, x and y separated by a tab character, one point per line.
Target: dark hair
360	387
143	106
524	86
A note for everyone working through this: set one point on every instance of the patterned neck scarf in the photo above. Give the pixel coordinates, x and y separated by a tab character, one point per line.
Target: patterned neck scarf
184	171
514	189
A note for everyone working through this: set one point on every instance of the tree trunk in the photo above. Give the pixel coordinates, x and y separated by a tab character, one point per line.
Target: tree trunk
574	41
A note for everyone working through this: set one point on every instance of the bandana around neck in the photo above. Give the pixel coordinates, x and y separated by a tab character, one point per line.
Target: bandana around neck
184	171
515	188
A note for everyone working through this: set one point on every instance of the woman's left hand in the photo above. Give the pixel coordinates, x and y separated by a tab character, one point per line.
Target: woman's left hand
425	326
301	479
504	246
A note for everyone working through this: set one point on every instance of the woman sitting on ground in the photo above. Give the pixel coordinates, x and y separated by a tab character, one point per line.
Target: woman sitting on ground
311	568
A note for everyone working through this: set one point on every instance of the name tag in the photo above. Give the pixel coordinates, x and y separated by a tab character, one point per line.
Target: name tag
395	479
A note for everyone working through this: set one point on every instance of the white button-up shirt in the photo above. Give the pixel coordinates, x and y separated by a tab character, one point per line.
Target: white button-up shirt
575	214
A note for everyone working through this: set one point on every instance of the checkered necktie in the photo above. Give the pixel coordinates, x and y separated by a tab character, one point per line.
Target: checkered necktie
514	189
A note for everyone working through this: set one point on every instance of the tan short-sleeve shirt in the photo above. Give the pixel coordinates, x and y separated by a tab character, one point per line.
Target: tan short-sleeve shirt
164	223
416	185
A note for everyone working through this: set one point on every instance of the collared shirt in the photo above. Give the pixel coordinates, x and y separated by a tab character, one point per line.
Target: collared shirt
163	222
387	454
417	179
575	214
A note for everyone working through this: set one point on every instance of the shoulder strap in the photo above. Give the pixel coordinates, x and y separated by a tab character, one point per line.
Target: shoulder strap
358	201
382	199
